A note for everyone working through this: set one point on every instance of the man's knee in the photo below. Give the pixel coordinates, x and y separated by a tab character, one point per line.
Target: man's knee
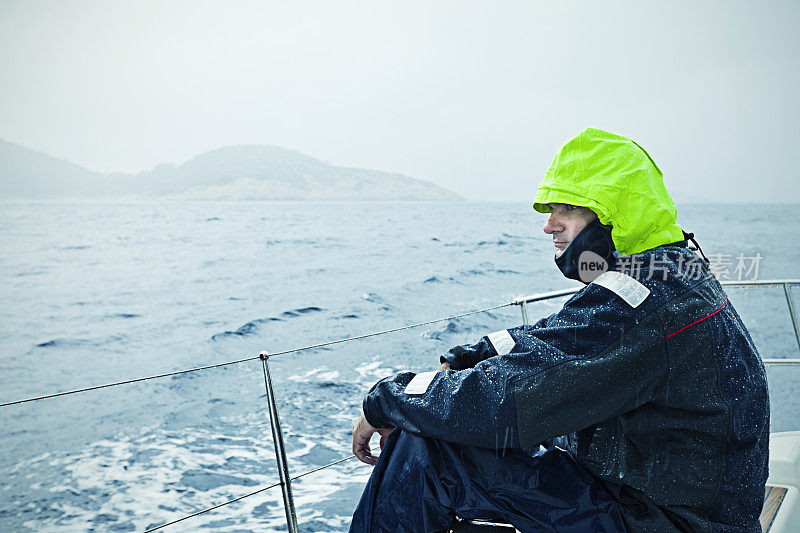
404	490
406	460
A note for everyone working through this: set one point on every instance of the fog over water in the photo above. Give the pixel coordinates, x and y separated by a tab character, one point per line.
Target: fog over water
473	96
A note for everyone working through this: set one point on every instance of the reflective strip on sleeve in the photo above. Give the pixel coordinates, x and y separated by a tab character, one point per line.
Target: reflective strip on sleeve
420	383
627	288
502	341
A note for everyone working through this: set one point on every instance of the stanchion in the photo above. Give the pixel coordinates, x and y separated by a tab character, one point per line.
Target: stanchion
524	313
280	451
787	289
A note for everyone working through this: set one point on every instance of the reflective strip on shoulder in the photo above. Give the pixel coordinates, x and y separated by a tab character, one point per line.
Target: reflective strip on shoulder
624	286
419	384
502	341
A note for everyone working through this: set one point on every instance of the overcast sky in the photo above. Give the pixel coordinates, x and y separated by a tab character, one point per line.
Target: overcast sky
474	96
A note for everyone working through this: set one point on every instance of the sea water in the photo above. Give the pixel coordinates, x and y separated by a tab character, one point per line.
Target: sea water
99	292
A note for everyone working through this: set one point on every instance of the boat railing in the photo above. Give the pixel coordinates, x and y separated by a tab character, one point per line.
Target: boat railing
285	479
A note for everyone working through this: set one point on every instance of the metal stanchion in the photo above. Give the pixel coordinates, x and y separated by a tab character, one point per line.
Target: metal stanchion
524	313
787	290
280	451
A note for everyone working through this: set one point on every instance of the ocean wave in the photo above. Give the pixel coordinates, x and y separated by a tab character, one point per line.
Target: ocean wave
69	343
437	279
458	327
38	272
321	373
377	299
254	325
437	334
373	369
123	315
323	242
301	311
245	330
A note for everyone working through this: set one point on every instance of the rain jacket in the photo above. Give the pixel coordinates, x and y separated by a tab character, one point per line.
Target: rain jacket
650	369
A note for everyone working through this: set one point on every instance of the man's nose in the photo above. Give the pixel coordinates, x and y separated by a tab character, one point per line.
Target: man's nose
551	226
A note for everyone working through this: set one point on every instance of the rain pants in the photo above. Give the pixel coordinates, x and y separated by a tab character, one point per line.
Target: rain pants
641	405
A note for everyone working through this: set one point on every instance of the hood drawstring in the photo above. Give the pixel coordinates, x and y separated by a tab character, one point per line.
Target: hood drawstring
690	237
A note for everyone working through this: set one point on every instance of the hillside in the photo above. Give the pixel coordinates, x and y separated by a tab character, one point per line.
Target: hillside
249	172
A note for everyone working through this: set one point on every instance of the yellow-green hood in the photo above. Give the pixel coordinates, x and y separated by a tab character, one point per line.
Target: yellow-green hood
617	179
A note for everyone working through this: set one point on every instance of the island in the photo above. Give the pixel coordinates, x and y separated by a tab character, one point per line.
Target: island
244	172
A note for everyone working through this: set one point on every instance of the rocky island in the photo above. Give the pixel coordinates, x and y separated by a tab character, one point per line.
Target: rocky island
246	172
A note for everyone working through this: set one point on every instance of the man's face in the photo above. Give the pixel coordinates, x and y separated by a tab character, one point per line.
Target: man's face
565	222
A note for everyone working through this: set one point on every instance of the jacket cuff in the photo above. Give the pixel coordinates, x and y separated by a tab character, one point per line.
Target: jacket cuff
455	362
451	360
372	409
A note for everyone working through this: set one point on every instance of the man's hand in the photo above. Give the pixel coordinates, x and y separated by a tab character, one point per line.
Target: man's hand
362	432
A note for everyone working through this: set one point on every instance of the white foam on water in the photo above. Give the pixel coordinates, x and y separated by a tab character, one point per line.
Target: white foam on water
157	476
317	374
373	369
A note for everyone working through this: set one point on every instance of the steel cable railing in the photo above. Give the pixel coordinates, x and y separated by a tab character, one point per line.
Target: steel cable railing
127	381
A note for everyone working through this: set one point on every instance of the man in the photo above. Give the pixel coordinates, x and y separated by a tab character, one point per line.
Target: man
640	406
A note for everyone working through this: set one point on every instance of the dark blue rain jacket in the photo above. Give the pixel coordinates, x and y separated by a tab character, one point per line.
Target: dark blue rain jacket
650	370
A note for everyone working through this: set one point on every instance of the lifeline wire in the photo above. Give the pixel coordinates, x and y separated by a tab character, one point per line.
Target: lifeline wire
95	387
211	508
237	361
343	459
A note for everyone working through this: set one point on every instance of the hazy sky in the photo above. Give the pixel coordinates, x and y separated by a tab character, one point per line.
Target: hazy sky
474	96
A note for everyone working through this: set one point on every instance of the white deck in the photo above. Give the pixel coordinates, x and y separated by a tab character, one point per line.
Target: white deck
784	472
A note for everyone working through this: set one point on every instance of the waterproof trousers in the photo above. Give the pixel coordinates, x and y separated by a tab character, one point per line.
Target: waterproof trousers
421	484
